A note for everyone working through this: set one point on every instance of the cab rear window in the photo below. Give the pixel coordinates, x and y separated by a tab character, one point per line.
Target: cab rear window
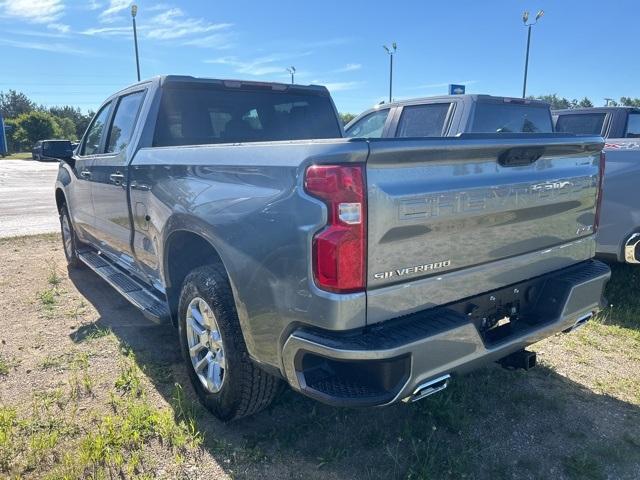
581	123
206	115
511	118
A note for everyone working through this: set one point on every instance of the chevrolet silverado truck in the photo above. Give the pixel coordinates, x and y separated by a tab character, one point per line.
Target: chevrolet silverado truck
452	115
361	271
618	238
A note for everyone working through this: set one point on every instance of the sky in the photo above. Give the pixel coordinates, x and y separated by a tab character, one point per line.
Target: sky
78	52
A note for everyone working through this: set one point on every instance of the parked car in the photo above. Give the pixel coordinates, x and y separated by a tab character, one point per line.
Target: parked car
362	272
451	115
52	150
619	234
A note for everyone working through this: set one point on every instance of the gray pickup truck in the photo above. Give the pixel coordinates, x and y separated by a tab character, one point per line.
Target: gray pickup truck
362	272
450	116
619	233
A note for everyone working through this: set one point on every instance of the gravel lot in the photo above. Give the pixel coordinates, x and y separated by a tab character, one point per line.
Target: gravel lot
27	197
90	389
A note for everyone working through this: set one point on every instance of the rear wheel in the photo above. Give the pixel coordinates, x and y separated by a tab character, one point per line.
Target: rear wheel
226	380
69	239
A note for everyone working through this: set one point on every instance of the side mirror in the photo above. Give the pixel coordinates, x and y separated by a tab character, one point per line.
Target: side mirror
57	149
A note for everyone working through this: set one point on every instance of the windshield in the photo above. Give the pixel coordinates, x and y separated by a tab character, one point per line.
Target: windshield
511	118
197	115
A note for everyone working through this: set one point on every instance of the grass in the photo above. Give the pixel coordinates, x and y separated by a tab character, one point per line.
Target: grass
109	404
7	364
53	279
46	442
18	156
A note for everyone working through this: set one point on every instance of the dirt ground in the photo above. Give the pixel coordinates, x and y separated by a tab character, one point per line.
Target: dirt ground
90	389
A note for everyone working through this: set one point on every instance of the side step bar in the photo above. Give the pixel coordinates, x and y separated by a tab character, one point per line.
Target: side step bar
152	307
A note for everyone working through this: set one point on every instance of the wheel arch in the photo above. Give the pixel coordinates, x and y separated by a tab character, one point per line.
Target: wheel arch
61	198
185	250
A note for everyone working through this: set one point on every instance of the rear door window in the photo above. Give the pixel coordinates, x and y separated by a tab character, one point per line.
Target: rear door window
370	126
633	125
581	123
124	122
93	139
423	120
511	118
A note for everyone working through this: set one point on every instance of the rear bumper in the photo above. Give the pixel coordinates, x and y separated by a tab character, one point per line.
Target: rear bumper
387	362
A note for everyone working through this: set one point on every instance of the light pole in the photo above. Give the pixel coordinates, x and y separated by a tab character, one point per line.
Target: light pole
292	71
134	12
391	51
525	20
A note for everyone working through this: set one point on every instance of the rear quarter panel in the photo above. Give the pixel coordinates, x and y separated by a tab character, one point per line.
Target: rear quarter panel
248	201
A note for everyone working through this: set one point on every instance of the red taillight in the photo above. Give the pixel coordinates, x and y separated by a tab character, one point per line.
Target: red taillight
339	249
596	222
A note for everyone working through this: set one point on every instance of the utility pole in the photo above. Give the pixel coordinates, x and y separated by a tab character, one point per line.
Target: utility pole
525	20
134	12
391	52
292	71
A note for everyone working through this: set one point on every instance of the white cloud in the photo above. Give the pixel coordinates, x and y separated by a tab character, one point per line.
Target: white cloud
171	24
109	31
267	65
59	27
349	67
220	41
337	86
46	47
257	67
113	9
33	11
174	24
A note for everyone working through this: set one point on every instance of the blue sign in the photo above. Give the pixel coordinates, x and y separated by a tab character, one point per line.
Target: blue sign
456	89
3	139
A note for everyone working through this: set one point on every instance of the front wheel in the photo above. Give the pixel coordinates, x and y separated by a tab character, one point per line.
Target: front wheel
69	239
226	380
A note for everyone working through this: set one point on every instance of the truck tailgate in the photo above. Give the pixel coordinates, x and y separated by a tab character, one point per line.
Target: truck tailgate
439	207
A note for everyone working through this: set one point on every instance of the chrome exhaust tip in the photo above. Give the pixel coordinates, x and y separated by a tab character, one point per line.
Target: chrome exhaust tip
429	388
631	249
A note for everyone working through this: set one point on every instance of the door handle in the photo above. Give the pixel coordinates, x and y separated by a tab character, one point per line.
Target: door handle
85	174
139	186
116	178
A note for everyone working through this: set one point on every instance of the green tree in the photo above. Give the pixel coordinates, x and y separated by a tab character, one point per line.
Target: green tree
585	103
34	126
67	128
346	117
559	103
80	120
630	102
554	100
13	104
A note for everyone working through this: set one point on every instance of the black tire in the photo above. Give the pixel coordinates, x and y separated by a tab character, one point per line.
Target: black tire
246	389
69	240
